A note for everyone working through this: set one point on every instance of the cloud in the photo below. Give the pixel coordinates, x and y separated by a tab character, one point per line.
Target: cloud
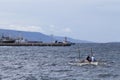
59	29
23	28
52	29
67	30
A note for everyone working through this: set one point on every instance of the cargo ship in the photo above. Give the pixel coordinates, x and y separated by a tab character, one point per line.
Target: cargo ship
4	39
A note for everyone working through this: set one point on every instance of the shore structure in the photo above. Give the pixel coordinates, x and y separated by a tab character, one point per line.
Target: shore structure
8	41
4	39
35	44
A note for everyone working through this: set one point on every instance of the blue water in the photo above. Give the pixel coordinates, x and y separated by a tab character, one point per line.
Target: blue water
51	63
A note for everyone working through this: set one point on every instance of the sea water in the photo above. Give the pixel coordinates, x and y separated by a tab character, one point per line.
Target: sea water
52	63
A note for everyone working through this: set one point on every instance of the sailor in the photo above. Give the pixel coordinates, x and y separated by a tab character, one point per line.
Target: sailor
92	58
88	58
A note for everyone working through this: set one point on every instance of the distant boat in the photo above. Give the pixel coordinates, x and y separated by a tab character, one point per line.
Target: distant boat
4	39
84	62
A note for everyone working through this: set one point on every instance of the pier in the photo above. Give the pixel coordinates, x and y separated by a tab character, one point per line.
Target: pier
35	44
20	41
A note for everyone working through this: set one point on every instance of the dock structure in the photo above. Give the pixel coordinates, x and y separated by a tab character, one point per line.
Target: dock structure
20	41
35	44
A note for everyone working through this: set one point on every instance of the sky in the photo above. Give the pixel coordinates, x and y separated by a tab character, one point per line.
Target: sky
92	20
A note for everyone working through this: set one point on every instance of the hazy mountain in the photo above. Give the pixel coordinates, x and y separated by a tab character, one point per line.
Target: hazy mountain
36	36
72	40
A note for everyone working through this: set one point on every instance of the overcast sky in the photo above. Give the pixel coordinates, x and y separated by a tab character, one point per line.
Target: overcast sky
93	20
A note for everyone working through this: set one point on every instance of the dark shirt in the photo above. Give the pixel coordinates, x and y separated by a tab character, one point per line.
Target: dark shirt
88	58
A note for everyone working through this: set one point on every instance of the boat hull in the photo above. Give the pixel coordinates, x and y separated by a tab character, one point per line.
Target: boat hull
9	41
83	63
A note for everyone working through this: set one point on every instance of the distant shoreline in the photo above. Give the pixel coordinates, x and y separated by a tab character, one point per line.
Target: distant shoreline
35	44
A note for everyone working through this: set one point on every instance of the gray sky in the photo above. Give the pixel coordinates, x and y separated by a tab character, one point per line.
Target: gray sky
93	20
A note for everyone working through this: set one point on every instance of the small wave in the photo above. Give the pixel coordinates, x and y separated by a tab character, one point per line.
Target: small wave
0	77
107	75
29	77
48	78
60	70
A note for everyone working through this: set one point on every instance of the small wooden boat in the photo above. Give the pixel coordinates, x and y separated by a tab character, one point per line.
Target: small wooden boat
83	63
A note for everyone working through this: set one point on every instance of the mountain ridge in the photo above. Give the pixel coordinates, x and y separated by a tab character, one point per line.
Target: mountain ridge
37	36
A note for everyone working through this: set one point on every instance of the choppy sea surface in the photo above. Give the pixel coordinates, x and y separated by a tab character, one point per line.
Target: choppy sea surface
52	63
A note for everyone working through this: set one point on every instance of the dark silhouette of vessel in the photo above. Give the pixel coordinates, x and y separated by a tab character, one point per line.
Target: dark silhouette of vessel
4	39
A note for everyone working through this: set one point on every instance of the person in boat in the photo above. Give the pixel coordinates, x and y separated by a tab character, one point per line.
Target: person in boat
88	58
93	59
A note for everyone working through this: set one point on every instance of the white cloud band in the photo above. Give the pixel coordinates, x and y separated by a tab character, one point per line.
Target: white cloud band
23	28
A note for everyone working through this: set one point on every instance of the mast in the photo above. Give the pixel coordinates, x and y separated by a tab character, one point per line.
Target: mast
91	52
79	52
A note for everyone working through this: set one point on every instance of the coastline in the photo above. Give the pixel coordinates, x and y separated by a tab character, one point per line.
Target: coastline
35	44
